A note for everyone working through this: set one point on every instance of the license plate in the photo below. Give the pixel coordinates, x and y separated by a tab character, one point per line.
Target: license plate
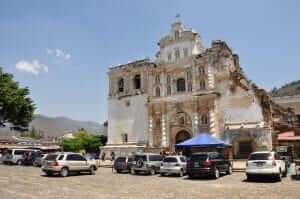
196	164
259	164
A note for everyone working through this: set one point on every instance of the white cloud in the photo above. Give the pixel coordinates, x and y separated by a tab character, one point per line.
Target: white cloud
59	53
33	67
49	51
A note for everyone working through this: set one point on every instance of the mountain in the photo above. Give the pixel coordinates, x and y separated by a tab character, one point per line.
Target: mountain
58	126
289	89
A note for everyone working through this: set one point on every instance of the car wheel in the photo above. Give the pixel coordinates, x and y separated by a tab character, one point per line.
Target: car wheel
49	173
249	177
279	177
19	162
132	171
64	172
152	172
191	176
93	170
216	173
181	173
35	164
229	172
118	171
285	173
162	174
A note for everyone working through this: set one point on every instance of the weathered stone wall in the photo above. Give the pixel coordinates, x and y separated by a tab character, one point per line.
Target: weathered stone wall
261	138
130	116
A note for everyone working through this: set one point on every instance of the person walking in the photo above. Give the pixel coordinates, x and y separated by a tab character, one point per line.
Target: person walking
112	156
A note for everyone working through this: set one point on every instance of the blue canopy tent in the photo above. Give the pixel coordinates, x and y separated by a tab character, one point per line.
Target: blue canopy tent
202	140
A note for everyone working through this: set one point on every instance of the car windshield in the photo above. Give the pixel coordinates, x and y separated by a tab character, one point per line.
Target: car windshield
51	157
170	159
138	157
202	157
155	158
260	156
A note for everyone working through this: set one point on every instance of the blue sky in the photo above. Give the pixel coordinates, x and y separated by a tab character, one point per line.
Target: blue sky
61	49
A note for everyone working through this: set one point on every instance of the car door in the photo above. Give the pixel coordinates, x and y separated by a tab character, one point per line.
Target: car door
81	162
71	162
183	163
223	162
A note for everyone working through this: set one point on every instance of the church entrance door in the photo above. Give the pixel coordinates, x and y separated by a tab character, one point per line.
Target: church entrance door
182	136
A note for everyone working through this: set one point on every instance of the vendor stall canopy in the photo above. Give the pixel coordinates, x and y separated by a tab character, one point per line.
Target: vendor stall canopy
202	140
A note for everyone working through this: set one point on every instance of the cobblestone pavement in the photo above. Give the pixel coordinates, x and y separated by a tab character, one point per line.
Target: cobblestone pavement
29	182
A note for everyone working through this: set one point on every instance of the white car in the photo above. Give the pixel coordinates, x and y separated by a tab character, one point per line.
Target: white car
173	165
265	163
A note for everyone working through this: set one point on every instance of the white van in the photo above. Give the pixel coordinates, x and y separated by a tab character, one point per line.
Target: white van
15	156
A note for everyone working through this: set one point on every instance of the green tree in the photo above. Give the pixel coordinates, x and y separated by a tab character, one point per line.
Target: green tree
71	144
82	140
16	107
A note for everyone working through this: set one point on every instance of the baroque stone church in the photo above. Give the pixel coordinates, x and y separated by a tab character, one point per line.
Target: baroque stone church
189	89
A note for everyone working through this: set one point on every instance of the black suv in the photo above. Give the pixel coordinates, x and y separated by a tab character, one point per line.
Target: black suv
208	163
123	163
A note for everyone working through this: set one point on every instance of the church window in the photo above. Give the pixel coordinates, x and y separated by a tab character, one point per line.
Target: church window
181	121
124	138
177	54
176	34
157	91
202	85
190	87
169	90
169	56
157	123
121	85
185	52
204	119
180	85
137	82
157	79
201	71
168	79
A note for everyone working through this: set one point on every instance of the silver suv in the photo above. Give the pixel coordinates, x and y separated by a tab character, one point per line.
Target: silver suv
146	162
173	165
64	163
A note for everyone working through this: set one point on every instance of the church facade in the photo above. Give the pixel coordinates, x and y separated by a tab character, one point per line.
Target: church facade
189	89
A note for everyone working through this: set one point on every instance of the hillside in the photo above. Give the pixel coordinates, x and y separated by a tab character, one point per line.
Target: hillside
57	126
289	89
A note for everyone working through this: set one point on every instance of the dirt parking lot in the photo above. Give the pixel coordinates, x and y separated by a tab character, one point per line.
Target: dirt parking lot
29	182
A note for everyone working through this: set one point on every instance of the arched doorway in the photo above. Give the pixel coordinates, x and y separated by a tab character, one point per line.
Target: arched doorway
242	146
182	136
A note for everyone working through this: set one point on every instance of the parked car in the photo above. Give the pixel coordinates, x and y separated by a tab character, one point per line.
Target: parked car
63	163
297	167
146	162
208	163
16	156
173	165
123	163
38	160
265	163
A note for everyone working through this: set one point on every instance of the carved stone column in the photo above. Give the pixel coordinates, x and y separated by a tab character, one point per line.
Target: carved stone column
163	130
195	122
150	132
210	78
